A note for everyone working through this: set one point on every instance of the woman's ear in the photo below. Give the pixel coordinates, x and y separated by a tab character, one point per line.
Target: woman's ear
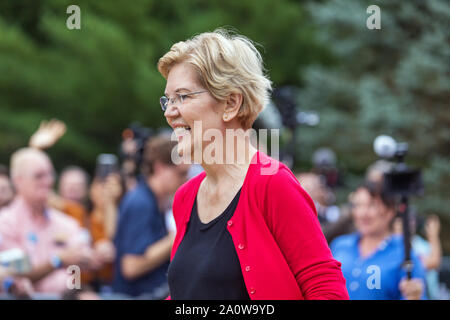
232	106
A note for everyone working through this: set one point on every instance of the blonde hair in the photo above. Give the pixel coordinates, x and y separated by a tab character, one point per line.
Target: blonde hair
225	63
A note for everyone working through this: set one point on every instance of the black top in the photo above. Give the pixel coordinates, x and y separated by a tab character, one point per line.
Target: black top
206	266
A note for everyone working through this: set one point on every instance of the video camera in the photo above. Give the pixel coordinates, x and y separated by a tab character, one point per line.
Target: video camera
400	179
286	100
133	142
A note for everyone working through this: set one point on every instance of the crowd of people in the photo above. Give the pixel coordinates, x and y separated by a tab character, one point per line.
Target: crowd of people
121	237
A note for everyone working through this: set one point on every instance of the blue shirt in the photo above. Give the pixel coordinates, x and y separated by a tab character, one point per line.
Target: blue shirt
375	277
140	224
423	249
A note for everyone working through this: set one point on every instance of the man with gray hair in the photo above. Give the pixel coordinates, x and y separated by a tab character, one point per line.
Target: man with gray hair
50	239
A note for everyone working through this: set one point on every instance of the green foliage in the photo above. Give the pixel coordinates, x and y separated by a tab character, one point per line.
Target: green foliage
103	77
362	82
391	81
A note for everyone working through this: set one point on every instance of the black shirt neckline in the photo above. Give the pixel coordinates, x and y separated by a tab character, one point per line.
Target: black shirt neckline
206	265
204	226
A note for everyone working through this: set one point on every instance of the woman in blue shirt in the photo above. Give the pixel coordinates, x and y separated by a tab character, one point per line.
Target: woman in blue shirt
372	257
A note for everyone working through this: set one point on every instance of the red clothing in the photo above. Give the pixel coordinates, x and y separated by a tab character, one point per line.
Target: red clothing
281	248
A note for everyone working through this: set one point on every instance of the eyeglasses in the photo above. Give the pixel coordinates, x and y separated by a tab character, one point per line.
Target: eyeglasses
179	97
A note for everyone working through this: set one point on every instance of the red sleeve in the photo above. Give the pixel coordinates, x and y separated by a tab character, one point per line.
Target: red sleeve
292	218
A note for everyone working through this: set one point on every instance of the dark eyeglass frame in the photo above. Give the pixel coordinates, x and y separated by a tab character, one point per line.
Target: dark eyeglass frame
164	101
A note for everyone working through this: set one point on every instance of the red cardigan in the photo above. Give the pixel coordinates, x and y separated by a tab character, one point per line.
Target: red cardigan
281	248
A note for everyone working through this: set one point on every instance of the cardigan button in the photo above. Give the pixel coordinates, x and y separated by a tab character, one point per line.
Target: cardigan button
241	246
252	290
230	223
247	268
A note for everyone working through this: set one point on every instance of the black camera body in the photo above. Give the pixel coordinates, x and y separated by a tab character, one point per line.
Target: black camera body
403	180
137	136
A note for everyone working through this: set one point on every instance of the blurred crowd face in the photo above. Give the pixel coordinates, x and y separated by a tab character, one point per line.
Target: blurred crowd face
203	107
35	180
96	193
313	186
6	191
73	186
371	217
108	191
171	177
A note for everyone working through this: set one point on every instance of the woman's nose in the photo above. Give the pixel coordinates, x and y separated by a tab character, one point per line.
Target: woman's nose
171	111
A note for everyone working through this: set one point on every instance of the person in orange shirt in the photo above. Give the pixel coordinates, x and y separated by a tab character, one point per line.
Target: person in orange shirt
105	197
73	189
100	221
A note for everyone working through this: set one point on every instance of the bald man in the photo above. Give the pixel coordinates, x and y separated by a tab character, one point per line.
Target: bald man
51	239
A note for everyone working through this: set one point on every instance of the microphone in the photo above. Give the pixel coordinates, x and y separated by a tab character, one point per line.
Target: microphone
385	146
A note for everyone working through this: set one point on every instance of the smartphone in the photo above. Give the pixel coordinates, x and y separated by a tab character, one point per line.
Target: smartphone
106	163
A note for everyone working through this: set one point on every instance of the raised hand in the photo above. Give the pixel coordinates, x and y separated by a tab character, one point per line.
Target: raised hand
432	227
48	133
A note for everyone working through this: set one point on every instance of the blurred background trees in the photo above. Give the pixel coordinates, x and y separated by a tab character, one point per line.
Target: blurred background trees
102	77
361	82
392	81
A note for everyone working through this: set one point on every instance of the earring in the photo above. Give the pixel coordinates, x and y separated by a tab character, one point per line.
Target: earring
225	117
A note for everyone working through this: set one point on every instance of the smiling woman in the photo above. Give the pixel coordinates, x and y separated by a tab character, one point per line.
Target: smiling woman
215	79
223	64
243	232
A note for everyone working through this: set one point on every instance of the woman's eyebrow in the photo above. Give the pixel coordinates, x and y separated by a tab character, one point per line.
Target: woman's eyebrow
178	90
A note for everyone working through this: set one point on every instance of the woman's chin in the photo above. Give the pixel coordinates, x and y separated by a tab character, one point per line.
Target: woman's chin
185	153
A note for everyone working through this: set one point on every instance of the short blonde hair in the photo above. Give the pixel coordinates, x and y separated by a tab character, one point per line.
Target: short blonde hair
226	63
